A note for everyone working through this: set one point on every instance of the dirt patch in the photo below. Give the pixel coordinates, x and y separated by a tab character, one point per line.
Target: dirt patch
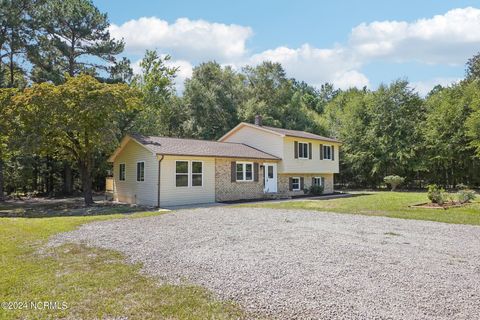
56	207
445	206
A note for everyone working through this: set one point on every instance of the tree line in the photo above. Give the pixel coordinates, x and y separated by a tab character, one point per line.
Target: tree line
68	97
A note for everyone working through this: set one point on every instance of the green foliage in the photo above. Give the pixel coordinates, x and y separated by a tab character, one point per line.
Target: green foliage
394	181
15	32
162	112
69	34
436	194
316	190
214	91
278	100
449	155
75	121
465	195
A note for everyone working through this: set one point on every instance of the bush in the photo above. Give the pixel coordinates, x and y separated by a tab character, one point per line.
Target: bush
316	190
465	195
436	194
394	181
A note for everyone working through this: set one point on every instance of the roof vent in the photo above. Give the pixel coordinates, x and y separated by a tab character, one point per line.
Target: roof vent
258	120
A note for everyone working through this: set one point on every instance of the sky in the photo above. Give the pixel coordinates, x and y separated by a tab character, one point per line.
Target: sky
347	43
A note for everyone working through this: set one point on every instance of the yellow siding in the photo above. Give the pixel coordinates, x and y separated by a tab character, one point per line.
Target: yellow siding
314	165
131	190
171	195
257	138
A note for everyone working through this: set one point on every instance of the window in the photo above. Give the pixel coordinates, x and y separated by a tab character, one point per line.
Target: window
141	171
327	152
295	184
121	172
244	171
317	181
270	172
302	150
197	173
181	173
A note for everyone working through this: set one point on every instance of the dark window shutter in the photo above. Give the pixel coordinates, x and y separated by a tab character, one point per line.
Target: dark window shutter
321	152
309	150
296	149
333	153
301	183
290	184
234	171
313	181
255	171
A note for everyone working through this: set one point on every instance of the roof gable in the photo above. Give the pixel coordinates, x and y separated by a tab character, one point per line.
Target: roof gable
193	147
122	146
278	131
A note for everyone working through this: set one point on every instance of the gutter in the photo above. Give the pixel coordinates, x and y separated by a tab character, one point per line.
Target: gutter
159	175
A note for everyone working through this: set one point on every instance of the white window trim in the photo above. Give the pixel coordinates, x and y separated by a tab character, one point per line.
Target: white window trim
308	151
119	175
319	178
323	151
175	174
298	184
244	178
136	171
189	174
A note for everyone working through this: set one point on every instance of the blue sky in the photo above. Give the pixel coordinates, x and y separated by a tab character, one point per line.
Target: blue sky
349	43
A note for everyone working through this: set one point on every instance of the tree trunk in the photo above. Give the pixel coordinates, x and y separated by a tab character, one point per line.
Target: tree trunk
86	176
67	179
2	196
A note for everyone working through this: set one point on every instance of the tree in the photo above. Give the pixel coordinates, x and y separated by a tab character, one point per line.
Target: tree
75	121
72	38
447	144
473	68
6	130
473	119
15	29
268	92
394	181
162	112
212	97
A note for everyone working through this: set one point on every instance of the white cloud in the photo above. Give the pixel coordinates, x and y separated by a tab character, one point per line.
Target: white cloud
450	38
424	87
195	40
317	66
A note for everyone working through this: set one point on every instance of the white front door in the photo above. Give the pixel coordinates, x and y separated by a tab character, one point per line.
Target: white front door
270	177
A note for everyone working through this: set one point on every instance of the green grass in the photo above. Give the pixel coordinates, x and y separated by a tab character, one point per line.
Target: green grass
94	283
387	204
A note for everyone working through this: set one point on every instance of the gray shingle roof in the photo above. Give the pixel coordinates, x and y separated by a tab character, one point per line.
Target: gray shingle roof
299	134
204	148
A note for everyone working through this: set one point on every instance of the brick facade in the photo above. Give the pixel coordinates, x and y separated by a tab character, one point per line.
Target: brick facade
283	183
226	190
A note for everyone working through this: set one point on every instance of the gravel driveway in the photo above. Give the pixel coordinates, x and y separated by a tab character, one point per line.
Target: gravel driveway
306	265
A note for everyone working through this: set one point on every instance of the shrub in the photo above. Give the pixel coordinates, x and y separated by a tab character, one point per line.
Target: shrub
465	195
436	194
394	181
316	190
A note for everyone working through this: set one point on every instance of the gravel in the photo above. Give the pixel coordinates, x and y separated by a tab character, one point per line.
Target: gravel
292	264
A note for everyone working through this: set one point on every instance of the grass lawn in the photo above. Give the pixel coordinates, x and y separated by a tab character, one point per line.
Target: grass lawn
388	204
94	283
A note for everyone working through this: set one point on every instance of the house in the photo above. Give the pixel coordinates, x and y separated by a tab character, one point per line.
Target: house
251	161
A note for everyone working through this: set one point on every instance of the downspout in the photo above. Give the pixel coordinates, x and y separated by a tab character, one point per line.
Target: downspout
159	171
